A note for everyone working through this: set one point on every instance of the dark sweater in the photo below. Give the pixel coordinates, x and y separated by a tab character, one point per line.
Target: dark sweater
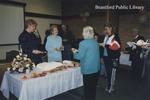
136	52
30	42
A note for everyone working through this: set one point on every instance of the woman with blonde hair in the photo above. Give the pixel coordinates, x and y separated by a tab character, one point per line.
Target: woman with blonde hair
89	57
54	45
29	42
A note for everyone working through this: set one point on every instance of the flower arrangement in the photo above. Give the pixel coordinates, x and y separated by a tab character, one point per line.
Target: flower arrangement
22	64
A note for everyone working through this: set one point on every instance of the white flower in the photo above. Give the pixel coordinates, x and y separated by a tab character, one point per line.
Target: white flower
27	71
20	54
27	65
25	58
14	68
17	56
20	70
33	65
8	69
26	55
16	62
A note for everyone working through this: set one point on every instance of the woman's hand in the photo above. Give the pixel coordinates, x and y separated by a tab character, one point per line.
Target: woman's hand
74	50
102	61
59	49
102	45
62	48
37	52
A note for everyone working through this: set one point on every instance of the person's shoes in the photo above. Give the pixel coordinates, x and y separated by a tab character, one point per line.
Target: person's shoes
111	90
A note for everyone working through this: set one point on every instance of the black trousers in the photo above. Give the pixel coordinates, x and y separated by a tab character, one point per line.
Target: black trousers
67	53
146	81
111	66
90	82
108	65
137	67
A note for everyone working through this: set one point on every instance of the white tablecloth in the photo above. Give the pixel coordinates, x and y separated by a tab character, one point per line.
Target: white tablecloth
42	87
124	59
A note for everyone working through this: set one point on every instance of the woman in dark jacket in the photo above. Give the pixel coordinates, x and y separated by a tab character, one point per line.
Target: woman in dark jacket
111	54
30	42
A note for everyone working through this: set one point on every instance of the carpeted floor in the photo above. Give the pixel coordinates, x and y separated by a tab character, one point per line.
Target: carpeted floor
127	88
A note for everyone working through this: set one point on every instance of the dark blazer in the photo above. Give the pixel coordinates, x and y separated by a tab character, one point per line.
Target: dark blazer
30	42
135	54
68	37
111	53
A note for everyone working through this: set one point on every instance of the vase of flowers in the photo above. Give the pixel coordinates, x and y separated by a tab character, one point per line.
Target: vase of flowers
21	64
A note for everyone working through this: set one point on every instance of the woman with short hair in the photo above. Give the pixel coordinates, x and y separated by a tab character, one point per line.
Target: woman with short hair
29	42
89	57
54	45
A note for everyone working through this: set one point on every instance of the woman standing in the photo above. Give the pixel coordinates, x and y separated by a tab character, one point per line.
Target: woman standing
30	42
111	54
89	57
54	45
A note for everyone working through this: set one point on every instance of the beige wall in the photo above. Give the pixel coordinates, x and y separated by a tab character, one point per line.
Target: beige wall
24	1
51	7
76	24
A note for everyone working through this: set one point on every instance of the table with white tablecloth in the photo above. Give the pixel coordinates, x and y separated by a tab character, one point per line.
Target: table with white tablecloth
42	87
124	59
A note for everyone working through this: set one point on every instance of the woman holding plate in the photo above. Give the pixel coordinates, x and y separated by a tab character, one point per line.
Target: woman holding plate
54	45
89	57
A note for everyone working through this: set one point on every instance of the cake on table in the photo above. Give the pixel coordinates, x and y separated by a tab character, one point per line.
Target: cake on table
45	66
49	66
